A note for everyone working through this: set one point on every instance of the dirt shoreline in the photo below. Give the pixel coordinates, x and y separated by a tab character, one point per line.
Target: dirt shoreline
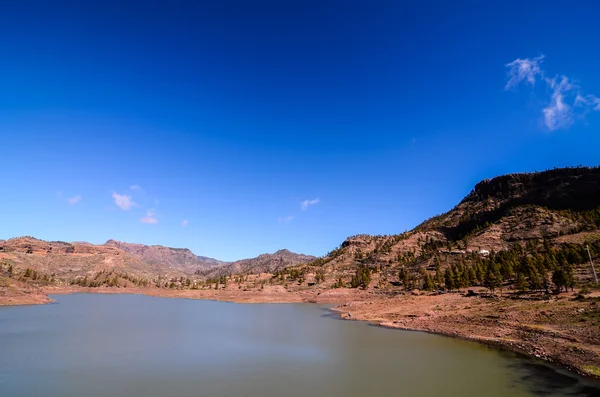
562	331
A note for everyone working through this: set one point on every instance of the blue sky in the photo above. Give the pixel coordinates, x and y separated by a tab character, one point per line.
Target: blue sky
246	127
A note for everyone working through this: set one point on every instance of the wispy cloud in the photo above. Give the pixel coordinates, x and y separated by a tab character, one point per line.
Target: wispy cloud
565	100
558	114
307	203
150	217
124	201
135	187
184	223
285	219
523	70
590	101
74	200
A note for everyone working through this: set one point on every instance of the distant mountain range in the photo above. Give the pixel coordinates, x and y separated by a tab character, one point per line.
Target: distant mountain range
265	263
67	261
179	259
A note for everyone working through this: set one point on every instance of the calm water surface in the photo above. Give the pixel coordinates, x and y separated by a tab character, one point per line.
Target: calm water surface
129	345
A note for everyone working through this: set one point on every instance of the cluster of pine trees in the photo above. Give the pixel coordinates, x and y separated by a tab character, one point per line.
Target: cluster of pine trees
535	267
110	278
31	275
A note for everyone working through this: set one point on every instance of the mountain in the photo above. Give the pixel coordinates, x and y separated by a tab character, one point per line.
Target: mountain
65	262
179	259
515	220
541	198
265	263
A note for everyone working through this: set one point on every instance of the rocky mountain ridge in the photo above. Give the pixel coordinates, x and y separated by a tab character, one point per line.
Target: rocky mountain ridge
264	263
66	262
533	214
180	259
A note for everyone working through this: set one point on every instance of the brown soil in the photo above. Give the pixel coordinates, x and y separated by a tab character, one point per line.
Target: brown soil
13	292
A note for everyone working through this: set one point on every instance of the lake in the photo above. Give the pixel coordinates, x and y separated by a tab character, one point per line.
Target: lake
133	345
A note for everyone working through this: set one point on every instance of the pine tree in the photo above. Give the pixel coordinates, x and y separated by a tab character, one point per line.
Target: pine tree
449	279
472	276
428	284
362	277
535	280
439	278
493	278
521	282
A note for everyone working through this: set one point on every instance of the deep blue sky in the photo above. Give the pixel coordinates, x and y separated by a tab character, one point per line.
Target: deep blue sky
229	116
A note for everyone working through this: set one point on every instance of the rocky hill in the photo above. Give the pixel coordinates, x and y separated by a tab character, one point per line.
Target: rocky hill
179	259
265	263
125	264
572	189
546	217
67	260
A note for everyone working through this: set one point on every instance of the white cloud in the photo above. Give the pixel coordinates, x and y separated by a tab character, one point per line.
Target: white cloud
135	187
150	217
563	104
124	202
523	70
558	114
306	203
285	219
588	101
74	200
184	223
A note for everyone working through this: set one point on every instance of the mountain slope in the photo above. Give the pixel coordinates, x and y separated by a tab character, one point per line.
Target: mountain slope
571	189
179	259
528	218
265	263
67	262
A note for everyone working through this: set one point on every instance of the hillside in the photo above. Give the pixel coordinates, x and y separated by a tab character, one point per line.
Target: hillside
68	260
265	263
530	224
178	259
14	291
44	263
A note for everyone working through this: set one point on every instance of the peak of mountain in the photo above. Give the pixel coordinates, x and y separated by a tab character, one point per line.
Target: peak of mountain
560	188
538	197
181	259
554	207
264	263
75	260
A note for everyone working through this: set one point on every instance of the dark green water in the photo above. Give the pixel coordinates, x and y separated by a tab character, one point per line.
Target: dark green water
128	345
